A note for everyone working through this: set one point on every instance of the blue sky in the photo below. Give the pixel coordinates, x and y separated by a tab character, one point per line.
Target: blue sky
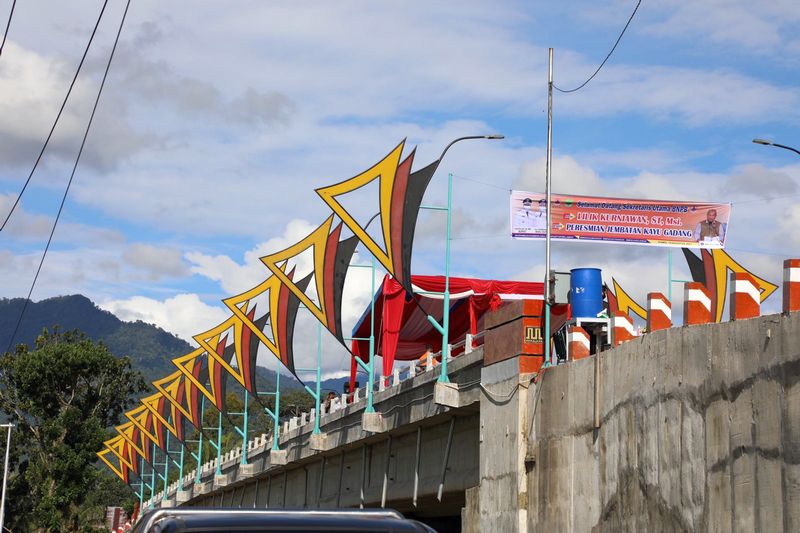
219	119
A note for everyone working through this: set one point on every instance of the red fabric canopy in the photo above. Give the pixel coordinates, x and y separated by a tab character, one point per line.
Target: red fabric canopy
402	330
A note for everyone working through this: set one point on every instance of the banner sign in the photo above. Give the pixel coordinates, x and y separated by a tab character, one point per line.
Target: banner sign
620	220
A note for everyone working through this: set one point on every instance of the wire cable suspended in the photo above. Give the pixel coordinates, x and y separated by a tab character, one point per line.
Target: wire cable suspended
58	117
8	25
72	174
582	85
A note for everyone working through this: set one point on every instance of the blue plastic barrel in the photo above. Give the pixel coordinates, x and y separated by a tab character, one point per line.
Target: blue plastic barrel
586	292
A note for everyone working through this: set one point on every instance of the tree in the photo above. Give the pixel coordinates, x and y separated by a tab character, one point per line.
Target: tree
62	396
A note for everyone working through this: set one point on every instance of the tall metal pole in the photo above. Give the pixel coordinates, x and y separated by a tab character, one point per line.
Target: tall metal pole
180	468
548	172
669	274
5	477
319	378
198	474
446	305
219	443
166	468
371	378
244	430
277	414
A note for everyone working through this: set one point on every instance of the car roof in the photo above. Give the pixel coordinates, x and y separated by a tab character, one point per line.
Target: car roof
253	520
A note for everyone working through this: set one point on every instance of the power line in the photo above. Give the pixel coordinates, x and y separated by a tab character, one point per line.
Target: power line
8	25
768	199
55	122
482	182
582	85
757	252
72	174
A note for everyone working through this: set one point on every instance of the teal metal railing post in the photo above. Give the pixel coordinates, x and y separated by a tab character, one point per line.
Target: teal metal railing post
371	379
199	456
153	479
446	306
144	484
141	491
166	468
669	275
219	444
180	469
277	408
317	392
244	430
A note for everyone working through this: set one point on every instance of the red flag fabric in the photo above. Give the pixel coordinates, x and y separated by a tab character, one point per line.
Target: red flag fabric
402	329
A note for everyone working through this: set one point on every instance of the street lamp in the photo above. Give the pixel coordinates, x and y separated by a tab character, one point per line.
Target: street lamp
444	327
770	143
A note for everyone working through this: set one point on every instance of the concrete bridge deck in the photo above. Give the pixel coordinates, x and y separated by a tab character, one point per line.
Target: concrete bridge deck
693	428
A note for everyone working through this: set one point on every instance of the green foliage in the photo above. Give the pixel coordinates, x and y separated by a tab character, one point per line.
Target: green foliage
62	396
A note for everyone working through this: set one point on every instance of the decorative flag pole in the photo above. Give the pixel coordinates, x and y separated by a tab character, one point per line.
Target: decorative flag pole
219	443
369	367
152	481
275	413
166	468
199	455
316	392
444	327
243	431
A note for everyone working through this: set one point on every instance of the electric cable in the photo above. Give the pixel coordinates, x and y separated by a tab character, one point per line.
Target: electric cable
582	85
8	25
58	116
72	174
482	182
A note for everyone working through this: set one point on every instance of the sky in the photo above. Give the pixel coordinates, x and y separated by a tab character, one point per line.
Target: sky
219	119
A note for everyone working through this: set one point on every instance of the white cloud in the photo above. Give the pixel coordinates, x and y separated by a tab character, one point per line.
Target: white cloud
155	261
184	315
761	27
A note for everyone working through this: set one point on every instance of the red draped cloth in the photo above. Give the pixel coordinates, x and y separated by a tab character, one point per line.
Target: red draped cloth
402	330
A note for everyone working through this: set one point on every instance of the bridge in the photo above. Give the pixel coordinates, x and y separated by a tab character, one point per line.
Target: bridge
692	428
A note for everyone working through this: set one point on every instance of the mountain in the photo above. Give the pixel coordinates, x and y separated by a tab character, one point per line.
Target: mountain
149	347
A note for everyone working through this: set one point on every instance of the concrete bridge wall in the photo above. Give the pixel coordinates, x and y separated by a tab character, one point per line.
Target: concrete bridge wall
694	428
698	429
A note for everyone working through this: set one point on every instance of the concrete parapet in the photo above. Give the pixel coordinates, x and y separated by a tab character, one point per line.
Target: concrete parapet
320	442
278	457
696	304
166	504
622	328
373	422
220	480
791	285
745	296
579	344
183	496
452	395
247	470
659	312
202	488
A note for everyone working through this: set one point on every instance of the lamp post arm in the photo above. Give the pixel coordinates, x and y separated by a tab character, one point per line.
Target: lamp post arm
765	142
446	148
795	150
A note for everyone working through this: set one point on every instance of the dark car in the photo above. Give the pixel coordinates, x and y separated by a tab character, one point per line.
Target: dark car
191	520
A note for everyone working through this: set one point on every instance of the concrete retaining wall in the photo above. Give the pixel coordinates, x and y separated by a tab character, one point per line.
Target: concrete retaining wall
699	431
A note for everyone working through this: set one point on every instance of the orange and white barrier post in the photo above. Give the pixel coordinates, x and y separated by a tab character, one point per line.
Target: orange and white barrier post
791	285
696	304
623	328
578	340
659	312
745	296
